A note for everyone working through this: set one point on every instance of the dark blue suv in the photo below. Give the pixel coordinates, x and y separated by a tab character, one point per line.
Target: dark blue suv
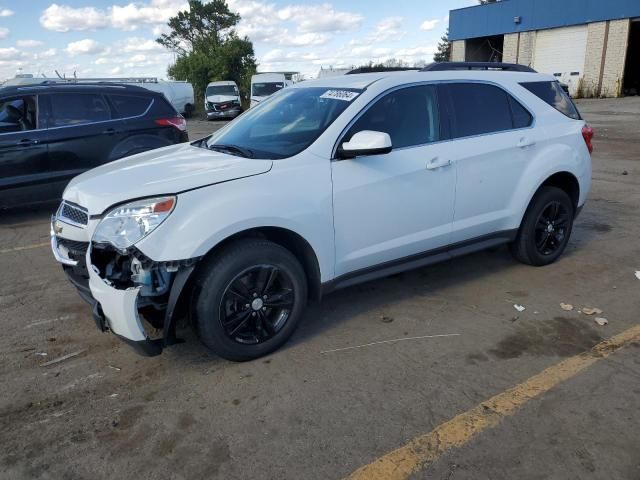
49	133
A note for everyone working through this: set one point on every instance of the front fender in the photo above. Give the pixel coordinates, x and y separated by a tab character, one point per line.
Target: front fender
282	198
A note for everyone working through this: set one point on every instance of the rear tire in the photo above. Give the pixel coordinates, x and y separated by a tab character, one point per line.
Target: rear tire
545	229
248	299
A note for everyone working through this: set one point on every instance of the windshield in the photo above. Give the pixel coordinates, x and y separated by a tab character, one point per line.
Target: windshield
285	124
266	89
229	90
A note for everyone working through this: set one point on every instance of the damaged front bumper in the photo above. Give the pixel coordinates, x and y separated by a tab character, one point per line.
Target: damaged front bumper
126	290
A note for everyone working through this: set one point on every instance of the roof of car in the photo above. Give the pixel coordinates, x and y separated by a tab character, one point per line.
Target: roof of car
364	80
73	87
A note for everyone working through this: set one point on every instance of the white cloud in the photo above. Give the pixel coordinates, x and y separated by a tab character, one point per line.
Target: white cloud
320	18
386	30
51	52
62	18
5	12
138	44
4	32
29	43
131	16
11	53
428	25
87	46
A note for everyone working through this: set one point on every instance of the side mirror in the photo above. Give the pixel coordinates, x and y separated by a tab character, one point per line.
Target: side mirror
366	142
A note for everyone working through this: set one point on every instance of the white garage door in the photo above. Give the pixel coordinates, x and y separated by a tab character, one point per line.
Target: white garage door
562	52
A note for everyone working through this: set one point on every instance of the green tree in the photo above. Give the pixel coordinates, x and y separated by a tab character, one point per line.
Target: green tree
443	53
207	46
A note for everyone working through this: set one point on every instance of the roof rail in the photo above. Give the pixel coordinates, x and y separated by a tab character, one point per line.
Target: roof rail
505	67
374	69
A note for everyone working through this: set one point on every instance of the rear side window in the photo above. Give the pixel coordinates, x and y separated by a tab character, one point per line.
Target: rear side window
410	117
78	108
553	94
479	109
129	105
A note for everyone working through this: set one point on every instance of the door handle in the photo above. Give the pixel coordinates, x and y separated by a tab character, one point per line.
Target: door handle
109	131
26	142
437	162
524	142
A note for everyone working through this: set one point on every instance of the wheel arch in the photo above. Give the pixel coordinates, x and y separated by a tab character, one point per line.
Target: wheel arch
288	239
565	181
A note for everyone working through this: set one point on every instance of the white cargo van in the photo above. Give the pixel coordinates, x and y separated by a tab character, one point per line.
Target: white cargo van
265	84
222	100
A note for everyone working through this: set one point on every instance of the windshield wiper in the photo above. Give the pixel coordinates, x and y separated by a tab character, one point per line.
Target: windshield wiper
232	149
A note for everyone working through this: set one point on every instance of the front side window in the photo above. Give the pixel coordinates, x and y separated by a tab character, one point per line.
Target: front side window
226	90
479	109
285	124
553	94
18	114
266	89
409	115
78	108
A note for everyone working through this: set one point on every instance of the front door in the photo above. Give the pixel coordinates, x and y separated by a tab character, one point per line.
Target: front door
23	150
393	206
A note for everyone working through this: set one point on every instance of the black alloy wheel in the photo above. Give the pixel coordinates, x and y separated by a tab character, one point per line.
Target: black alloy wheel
551	228
545	229
256	304
248	299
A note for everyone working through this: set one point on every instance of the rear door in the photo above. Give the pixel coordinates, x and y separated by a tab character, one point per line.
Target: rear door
83	131
493	143
23	150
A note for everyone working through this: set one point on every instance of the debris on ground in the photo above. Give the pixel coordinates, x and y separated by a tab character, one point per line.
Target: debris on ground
41	354
624	172
566	307
63	358
117	369
113	395
638	274
519	308
386	319
601	321
591	311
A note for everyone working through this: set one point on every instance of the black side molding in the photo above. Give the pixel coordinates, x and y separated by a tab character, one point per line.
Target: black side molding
420	260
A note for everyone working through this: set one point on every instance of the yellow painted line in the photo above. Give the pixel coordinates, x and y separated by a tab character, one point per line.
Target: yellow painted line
25	247
425	449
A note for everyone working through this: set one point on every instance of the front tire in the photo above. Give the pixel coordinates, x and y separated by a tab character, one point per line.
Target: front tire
545	229
249	299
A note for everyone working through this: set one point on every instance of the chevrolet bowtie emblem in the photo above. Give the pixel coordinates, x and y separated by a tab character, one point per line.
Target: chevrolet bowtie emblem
57	229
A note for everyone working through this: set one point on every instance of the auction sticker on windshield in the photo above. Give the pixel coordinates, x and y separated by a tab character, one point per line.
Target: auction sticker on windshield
346	95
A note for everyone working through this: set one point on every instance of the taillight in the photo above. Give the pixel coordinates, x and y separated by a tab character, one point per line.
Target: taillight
176	122
587	134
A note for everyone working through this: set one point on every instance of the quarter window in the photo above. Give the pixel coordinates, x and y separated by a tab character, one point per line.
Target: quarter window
521	116
129	105
409	116
553	94
78	108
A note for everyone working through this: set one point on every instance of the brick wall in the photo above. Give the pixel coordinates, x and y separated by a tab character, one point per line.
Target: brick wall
458	51
593	63
615	58
510	48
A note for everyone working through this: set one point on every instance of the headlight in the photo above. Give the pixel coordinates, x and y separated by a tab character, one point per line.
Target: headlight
127	224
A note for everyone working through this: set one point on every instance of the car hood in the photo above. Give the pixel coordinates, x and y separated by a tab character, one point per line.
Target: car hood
221	98
167	170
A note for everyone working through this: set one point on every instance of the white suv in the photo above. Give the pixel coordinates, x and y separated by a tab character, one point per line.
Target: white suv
323	185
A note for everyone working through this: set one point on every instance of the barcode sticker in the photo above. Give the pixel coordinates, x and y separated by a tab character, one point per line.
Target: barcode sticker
345	95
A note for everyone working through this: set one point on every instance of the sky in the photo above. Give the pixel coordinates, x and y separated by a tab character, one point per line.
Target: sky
114	38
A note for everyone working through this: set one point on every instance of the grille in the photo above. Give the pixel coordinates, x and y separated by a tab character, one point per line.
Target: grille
74	247
76	215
